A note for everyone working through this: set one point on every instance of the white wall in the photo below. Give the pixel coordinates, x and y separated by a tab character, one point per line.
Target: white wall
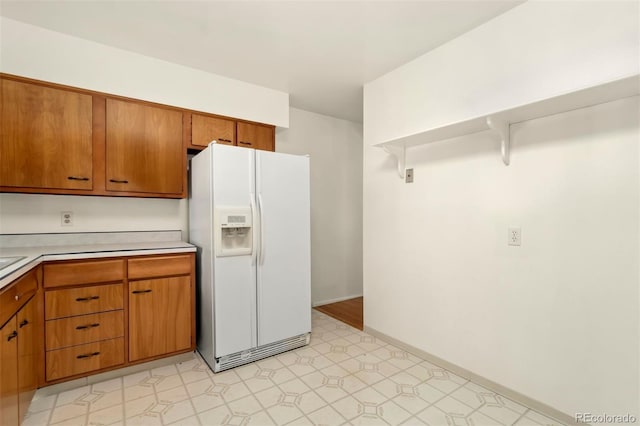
534	51
335	147
556	319
35	52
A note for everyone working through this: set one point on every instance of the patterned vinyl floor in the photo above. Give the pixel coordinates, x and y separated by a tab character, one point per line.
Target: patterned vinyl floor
344	377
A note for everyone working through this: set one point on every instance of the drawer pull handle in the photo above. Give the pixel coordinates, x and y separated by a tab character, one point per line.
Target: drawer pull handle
23	323
86	299
244	143
225	140
77	178
118	181
12	336
88	355
141	291
84	327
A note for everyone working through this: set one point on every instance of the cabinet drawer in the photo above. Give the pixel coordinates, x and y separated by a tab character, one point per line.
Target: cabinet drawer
72	273
84	300
84	358
163	266
16	294
62	333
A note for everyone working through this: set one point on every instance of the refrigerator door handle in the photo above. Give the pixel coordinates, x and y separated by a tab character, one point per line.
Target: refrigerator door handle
262	246
254	219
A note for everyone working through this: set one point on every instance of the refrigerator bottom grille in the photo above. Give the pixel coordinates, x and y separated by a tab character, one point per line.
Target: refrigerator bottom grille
254	354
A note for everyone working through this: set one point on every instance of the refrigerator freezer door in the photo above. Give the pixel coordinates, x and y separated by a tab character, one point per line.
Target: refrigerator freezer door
234	289
284	292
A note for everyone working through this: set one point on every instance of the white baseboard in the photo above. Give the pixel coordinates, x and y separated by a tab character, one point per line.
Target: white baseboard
482	381
339	299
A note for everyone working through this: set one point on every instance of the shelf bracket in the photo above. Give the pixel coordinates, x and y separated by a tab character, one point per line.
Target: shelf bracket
501	127
400	153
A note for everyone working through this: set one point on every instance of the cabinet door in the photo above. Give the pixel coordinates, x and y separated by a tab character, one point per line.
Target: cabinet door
144	151
9	414
256	136
204	129
28	354
159	316
46	137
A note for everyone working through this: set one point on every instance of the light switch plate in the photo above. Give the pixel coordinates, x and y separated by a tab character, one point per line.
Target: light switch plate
408	176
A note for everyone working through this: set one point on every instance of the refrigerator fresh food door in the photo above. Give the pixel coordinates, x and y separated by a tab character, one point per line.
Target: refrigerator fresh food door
234	289
284	290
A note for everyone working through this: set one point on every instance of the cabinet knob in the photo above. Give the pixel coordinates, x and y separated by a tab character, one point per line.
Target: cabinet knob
118	181
12	336
17	297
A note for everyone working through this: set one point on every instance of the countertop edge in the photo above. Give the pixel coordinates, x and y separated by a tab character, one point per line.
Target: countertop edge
25	265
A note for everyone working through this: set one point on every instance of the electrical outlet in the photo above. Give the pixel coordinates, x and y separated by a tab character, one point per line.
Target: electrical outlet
514	238
66	218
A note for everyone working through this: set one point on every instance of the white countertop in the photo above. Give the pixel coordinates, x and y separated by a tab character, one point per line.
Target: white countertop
36	255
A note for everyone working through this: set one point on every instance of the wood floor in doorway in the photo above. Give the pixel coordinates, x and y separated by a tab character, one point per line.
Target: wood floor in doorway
348	311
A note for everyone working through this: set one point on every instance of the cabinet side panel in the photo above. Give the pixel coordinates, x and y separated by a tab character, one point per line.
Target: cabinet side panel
200	234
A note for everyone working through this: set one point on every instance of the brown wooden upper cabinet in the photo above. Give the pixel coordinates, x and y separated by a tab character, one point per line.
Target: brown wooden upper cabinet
46	137
205	128
144	150
255	136
56	139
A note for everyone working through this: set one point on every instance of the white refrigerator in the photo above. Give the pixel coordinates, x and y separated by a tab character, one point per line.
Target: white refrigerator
249	216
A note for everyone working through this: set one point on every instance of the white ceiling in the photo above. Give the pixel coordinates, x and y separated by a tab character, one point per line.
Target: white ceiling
320	52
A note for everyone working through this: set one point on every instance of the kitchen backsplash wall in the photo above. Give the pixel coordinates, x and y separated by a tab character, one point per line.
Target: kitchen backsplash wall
34	213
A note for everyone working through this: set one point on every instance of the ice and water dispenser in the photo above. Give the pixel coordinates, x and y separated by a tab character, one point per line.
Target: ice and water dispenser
233	226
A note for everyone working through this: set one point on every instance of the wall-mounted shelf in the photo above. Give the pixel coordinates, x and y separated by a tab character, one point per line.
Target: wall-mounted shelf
500	121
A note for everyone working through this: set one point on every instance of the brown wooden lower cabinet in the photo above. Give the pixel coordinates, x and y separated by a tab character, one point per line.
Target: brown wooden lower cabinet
29	352
159	316
89	326
19	357
9	413
20	347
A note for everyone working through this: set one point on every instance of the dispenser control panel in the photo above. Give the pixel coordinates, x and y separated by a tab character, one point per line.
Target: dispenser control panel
233	227
235	220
